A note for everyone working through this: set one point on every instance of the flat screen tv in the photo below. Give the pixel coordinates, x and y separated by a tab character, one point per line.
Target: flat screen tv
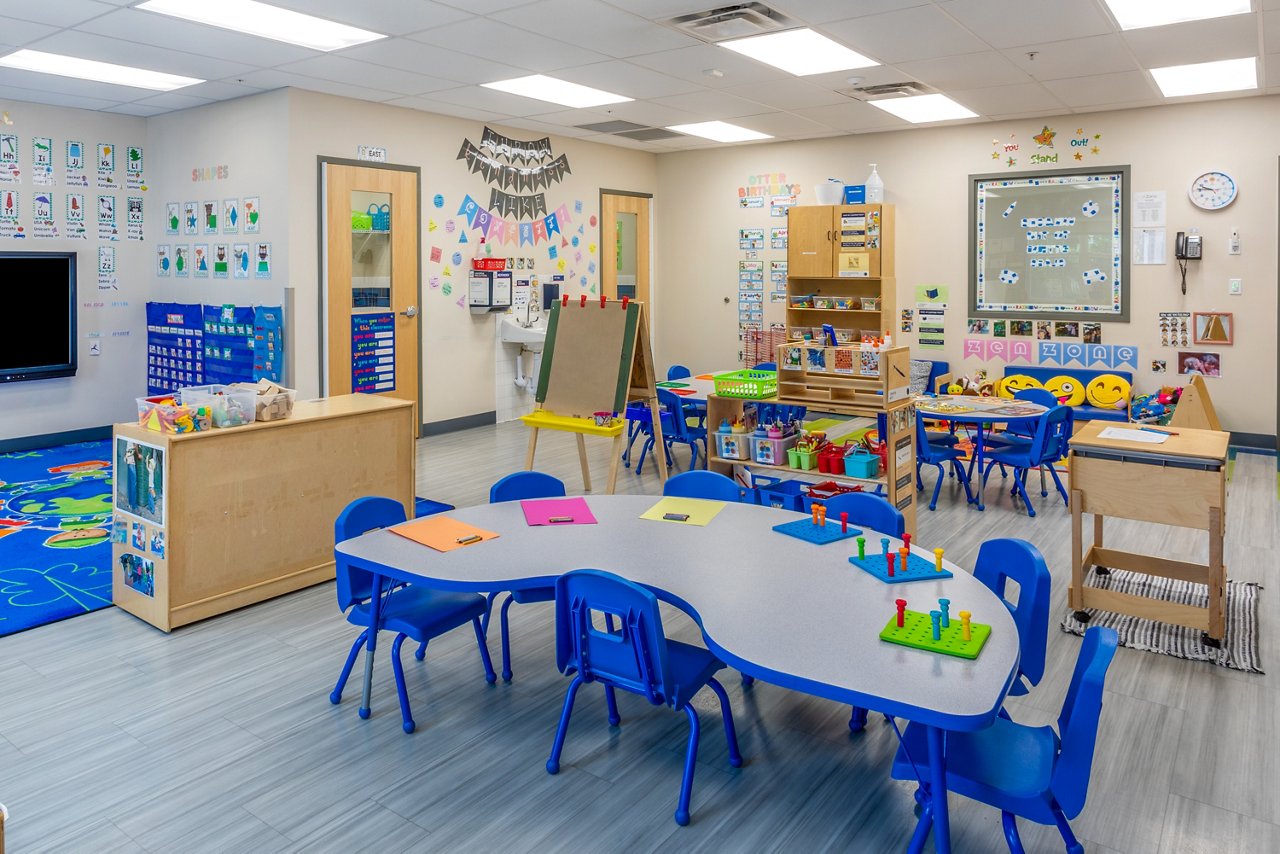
37	315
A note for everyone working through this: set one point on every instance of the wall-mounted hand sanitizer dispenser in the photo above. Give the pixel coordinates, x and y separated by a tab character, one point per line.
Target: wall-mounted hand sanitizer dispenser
489	290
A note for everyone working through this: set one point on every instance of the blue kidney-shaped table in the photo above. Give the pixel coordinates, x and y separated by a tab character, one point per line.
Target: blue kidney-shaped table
775	607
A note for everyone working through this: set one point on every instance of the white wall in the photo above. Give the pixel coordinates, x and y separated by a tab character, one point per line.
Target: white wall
105	386
925	173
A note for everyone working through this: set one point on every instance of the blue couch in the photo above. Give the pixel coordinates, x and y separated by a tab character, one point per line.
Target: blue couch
1083	412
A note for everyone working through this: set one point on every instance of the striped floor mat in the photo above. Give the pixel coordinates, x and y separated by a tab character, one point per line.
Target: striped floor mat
1239	650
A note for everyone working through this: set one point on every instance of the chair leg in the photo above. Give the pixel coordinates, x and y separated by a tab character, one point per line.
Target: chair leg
1044	491
730	732
421	652
489	675
506	638
398	667
919	482
335	696
1068	838
924	824
611	700
690	761
857	719
489	599
553	761
644	451
1010	822
748	681
1058	483
937	487
1022	490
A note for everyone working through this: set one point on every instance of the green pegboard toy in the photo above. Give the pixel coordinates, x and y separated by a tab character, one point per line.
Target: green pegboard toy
917	632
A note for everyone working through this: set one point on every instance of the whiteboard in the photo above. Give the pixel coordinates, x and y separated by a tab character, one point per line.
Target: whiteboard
1050	244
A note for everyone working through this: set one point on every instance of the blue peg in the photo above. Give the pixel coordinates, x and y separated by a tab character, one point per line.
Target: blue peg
936	617
945	605
884	545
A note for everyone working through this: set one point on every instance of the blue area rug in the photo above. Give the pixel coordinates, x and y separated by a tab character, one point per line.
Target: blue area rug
55	534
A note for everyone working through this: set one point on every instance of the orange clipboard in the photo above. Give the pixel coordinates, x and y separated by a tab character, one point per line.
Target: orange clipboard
442	533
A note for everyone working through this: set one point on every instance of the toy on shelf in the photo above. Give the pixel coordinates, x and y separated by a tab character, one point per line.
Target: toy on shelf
977	385
816	530
1157	407
900	565
166	414
935	631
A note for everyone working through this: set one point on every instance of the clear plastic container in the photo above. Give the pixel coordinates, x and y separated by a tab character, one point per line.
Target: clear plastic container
228	406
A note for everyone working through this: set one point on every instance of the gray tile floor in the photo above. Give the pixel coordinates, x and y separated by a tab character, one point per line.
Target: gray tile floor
220	737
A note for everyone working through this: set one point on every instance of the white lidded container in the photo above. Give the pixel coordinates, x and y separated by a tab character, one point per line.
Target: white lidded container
875	187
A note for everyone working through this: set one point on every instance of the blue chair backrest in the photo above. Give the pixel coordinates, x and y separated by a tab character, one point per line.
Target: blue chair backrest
635	656
1078	723
675	426
678	372
766	366
702	484
867	510
526	484
1053	433
1004	559
355	585
924	450
1042	396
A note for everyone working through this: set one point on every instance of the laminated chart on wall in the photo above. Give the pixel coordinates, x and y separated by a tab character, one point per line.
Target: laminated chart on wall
268	342
175	342
373	352
228	343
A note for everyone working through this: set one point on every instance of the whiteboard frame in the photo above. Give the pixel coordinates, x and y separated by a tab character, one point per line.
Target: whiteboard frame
1056	312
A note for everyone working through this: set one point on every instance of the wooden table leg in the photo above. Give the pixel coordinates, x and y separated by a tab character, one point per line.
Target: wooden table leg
613	463
582	458
659	442
533	446
1217	577
1075	594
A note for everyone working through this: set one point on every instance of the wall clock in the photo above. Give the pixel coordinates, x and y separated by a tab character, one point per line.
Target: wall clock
1212	191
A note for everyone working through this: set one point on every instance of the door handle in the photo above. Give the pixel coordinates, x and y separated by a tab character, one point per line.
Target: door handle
411	311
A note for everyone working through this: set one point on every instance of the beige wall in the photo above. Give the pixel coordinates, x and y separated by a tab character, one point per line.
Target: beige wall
925	174
458	347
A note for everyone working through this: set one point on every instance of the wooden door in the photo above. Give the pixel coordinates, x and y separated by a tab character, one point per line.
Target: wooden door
809	242
373	281
624	246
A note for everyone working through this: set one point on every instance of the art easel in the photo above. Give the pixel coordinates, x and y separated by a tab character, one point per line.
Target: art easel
1195	407
596	359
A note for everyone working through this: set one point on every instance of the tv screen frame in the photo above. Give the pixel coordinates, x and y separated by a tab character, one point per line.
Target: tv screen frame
62	369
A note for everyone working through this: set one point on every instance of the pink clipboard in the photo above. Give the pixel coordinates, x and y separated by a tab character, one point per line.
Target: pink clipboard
557	512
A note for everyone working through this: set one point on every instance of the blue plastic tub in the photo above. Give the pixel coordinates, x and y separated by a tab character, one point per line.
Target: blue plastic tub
427	507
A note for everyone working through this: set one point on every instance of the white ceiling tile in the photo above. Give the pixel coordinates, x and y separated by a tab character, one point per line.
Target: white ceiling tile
1101	89
589	22
172	101
484	7
1271	30
969	71
1232	37
63	13
540	126
41	95
920	32
838	81
345	70
1271	69
105	49
462	66
487	37
628	79
1074	57
1007	100
645	113
788	94
1009	23
222	90
270	78
133	25
822	11
661	10
389	17
480	98
853	116
691	63
431	105
1271	4
711	105
16	33
141	110
782	125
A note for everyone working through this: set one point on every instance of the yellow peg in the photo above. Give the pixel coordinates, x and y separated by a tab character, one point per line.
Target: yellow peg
937	556
965	632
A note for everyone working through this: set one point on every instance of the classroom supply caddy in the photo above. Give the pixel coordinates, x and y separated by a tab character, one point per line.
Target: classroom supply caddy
750	385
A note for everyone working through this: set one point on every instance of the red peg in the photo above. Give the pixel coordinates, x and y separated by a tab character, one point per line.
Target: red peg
625	300
564	301
906	541
844	523
902	611
602	299
889	557
584	301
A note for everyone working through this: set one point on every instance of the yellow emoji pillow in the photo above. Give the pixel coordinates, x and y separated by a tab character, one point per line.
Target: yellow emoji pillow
1108	391
1068	390
1014	383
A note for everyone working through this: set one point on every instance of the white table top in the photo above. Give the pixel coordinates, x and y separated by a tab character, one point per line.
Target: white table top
975	409
789	612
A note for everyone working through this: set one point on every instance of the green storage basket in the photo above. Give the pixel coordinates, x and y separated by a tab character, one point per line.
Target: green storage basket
750	385
361	221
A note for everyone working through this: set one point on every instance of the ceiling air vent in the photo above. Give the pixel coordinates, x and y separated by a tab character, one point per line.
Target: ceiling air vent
648	134
732	22
889	90
615	126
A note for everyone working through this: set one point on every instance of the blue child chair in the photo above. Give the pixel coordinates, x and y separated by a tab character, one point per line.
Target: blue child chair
702	484
676	428
515	487
639	423
1022	432
1047	446
1032	772
680	372
1000	561
766	366
411	610
938	454
637	658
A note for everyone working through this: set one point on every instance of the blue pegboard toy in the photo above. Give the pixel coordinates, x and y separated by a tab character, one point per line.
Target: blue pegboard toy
918	568
804	529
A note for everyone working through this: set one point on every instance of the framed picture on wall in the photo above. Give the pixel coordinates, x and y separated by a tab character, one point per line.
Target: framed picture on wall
1214	327
1050	245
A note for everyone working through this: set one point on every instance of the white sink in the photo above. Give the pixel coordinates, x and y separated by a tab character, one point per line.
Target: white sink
530	337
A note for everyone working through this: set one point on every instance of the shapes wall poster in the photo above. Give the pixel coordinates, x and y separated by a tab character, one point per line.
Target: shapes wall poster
230	216
262	261
140	477
190	218
251	210
240	261
164	264
182	261
209	210
200	260
221	260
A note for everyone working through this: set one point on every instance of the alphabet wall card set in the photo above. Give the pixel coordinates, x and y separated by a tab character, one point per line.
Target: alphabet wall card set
10	159
42	162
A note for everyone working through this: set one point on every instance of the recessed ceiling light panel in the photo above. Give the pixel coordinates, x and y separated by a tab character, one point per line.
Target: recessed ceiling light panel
1201	78
265	21
544	88
99	72
801	52
1137	14
924	108
719	131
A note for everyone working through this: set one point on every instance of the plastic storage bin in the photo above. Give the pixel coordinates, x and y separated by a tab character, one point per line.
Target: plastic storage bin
749	385
773	452
228	406
167	413
783	494
803	460
862	463
273	402
733	446
818	493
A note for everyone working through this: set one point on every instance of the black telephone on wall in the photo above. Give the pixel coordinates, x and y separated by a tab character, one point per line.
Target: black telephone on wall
1186	246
